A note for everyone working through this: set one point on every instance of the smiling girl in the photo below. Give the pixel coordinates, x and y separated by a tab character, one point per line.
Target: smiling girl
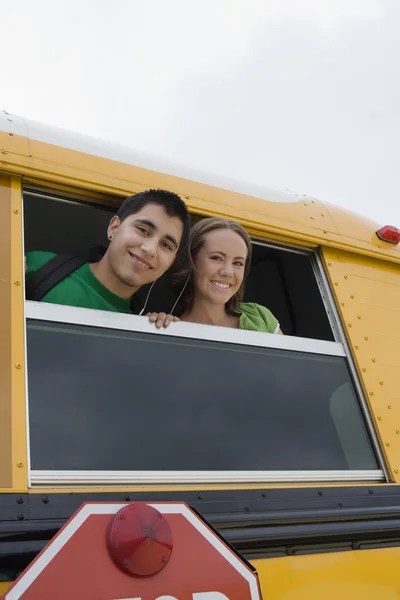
219	262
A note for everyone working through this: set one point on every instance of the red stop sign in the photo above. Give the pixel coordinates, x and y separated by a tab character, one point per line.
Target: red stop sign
190	562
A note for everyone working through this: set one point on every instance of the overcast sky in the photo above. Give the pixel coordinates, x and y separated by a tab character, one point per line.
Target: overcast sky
298	94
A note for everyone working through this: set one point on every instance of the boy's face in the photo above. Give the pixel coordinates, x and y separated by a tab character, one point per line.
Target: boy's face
144	245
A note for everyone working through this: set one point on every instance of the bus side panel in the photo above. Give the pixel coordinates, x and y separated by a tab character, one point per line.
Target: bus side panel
366	574
13	454
5	333
4	585
367	294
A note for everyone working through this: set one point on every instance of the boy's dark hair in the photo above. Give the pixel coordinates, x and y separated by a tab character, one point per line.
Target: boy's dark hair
173	205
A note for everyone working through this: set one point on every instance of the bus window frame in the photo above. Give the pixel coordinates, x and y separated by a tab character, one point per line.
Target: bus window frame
340	337
328	300
338	331
110	320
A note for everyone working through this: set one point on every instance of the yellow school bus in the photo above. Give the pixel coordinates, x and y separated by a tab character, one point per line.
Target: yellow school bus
288	445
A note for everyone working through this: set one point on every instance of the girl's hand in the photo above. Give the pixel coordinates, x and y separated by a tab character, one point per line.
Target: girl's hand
161	319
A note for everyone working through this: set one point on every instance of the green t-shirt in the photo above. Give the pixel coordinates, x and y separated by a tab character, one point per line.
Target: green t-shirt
81	288
255	317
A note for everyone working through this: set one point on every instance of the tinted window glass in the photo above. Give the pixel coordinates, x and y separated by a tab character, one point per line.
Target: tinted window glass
63	235
101	399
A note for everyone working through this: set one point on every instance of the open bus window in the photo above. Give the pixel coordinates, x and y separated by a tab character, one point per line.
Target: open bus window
281	280
57	225
285	282
107	394
107	399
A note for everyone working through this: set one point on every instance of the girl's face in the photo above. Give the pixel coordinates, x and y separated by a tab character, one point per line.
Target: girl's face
219	266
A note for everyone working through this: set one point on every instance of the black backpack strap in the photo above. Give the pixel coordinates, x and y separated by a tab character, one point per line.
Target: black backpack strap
49	275
56	270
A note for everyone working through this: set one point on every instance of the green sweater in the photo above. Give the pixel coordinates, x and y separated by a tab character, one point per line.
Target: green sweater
255	317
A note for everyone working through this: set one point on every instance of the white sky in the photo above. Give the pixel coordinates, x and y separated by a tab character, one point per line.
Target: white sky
299	94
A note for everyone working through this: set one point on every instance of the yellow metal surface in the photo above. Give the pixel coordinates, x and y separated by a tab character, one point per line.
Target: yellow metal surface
19	434
182	488
4	585
367	292
13	463
306	221
5	332
352	575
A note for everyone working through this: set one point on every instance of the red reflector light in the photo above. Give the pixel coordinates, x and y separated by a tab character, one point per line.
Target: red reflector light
139	540
389	234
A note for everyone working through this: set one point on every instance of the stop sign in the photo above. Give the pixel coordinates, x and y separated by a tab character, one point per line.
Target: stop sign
104	552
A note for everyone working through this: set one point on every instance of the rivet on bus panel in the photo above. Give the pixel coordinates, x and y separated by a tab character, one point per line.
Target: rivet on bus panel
20	464
329	264
4	152
364	370
389	406
345	277
356	347
349	324
312	218
387	443
17	282
16	211
379	418
352	297
398	431
396	470
336	283
17	365
342	304
358	316
371	393
373	359
366	338
381	383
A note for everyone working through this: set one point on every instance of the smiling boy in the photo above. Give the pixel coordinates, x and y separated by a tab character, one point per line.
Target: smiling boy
146	236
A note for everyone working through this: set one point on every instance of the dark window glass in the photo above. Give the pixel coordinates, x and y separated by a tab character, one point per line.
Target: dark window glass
52	225
101	399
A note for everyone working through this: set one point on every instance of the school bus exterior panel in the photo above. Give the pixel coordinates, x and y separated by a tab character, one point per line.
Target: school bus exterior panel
306	539
368	293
